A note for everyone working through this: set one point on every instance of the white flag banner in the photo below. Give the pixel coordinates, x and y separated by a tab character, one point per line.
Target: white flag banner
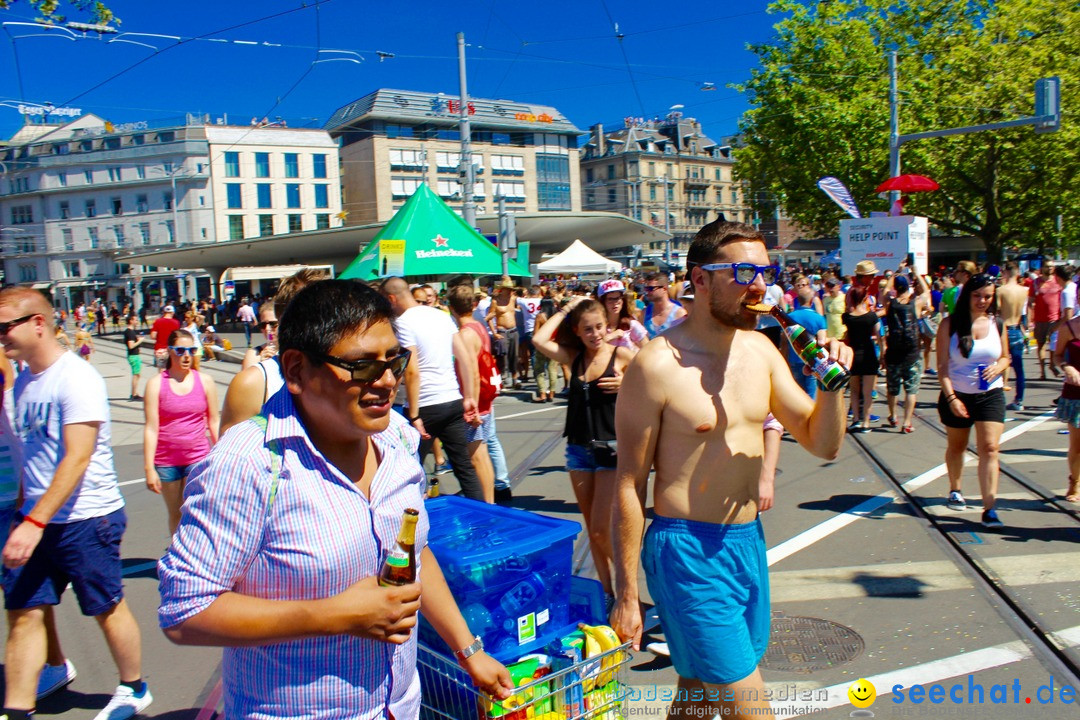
839	194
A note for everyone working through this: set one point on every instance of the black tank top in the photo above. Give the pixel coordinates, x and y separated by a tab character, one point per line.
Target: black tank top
600	406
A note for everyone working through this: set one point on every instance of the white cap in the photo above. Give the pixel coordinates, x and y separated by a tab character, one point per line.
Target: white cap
169	308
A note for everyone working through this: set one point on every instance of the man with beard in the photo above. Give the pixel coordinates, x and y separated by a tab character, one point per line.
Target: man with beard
703	390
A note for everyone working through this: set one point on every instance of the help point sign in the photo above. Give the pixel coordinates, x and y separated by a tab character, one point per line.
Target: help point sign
885	240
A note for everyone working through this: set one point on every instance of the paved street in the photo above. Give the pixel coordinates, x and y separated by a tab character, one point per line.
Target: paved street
862	583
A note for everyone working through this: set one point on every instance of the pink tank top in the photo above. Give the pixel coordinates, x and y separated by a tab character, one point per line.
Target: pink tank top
182	420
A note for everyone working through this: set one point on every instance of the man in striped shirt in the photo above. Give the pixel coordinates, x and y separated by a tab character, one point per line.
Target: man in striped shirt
284	526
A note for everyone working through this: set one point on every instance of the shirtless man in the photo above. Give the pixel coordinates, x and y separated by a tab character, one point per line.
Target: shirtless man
704	390
1012	298
502	321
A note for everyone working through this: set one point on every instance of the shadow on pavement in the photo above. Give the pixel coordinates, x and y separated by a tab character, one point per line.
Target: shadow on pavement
846	503
540	504
893	586
69	699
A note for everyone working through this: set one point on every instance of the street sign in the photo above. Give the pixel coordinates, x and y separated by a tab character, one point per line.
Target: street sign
1048	104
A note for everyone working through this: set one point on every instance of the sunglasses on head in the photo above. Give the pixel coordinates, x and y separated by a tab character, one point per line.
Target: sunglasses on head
5	327
182	350
368	371
745	273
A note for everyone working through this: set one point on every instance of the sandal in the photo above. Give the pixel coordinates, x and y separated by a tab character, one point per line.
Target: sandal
892	421
1073	494
907	429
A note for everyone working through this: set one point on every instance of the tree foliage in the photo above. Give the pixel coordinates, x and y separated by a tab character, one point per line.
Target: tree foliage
93	11
819	106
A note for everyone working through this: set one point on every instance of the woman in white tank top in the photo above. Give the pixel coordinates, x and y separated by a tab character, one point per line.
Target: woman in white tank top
973	353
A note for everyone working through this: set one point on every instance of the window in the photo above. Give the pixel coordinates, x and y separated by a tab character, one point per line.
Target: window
144	233
318	166
670	191
172	231
292	165
322	196
22	214
266	224
20	185
394	131
61	179
262	165
65	210
632	169
448	161
512	190
717	173
553	182
652	192
89	176
610	172
167	200
507	165
589	175
262	191
91	209
167	168
232	164
95	243
142	204
611	196
118	230
69	241
322	221
449	188
292	195
115	174
199	168
236	227
138	139
401	159
117	206
500	138
404	187
112	143
652	169
232	196
668	171
86	145
27	273
164	137
734	197
202	200
140	172
294	223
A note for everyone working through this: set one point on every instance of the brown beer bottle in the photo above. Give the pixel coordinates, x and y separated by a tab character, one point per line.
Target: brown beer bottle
831	375
399	568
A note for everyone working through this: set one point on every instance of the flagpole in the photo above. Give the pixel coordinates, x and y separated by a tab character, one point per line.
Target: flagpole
468	208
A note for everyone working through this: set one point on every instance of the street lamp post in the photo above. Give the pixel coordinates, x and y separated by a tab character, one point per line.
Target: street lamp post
667	225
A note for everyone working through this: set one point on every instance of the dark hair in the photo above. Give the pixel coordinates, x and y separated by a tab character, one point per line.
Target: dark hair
857	294
181	334
625	316
461	299
293	284
712	237
565	335
960	320
325	312
901	284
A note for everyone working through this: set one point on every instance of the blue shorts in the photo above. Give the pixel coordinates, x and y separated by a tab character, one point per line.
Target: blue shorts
484	431
710	583
7	514
172	473
85	553
579	457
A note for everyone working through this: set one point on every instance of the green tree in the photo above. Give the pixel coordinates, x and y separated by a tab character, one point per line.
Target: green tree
819	106
49	10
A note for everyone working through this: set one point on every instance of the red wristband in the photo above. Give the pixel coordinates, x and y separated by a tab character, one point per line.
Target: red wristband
35	523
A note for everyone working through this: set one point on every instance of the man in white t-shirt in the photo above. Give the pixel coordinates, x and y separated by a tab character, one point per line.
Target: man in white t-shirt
530	306
1068	294
437	408
72	516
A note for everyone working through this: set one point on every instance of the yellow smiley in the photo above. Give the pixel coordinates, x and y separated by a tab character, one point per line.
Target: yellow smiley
862	693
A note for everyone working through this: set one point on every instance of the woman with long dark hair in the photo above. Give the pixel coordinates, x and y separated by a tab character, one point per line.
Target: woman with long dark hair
973	353
623	329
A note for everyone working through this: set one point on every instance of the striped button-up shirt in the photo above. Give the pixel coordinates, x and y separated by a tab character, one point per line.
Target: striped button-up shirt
318	537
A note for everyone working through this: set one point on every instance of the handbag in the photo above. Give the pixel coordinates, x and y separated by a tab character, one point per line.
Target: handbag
927	327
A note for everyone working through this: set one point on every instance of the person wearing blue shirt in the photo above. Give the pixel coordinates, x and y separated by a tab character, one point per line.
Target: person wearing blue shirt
814	323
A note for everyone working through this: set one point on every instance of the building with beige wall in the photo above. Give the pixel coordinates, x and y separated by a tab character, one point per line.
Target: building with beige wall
393	140
665	172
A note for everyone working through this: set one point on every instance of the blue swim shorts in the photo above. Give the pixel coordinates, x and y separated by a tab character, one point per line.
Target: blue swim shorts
710	583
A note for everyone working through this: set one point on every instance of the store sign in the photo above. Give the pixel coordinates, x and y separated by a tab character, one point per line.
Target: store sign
128	127
391	258
529	117
450	107
885	240
38	110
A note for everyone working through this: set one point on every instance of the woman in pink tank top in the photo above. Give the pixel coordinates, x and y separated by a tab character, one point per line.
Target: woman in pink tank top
181	423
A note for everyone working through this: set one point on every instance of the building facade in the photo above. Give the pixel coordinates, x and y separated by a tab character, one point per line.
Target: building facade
393	140
76	197
667	173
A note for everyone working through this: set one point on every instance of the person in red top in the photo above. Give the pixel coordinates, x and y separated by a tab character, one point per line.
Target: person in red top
162	328
1045	304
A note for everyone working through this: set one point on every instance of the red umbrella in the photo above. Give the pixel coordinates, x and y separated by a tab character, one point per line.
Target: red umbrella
908	184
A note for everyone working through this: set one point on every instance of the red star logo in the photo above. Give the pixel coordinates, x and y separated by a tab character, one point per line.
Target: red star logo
440	241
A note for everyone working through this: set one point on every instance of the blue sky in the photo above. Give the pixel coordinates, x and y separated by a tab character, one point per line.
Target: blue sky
557	53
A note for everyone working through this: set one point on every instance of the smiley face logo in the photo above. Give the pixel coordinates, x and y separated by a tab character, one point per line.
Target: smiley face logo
862	693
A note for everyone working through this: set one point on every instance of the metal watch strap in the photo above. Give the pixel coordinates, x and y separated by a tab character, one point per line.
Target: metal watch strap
467	652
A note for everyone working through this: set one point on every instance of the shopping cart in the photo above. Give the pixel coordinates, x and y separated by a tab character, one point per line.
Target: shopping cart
592	689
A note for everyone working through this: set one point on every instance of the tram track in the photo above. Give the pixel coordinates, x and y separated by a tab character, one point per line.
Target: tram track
1022	619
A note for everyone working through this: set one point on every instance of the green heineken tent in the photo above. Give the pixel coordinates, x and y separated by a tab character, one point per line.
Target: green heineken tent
426	237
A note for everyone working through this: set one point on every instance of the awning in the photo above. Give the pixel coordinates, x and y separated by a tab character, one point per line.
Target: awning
270	272
41	285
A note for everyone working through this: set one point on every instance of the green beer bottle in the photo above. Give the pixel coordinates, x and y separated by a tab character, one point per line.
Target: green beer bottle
829	373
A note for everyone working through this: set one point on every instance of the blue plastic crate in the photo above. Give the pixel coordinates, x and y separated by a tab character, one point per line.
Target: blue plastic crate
587	601
509	571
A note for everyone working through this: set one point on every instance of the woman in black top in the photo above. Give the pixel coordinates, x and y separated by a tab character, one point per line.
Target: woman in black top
574	336
862	336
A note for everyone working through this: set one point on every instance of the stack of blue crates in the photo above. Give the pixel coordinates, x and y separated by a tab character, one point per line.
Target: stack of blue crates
509	571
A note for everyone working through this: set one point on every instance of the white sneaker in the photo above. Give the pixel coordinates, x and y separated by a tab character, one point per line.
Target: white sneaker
660	649
55	677
125	703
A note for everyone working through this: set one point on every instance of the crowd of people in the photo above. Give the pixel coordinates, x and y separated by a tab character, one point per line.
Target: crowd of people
320	443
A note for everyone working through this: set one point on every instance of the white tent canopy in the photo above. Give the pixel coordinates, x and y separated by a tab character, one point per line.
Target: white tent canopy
580	259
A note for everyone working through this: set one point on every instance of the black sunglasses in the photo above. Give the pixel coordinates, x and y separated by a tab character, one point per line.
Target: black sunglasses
650	288
368	371
5	327
271	323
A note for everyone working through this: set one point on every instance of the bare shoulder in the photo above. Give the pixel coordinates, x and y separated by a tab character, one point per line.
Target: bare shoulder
656	356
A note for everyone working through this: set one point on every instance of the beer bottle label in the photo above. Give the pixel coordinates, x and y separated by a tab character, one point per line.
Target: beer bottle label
397	561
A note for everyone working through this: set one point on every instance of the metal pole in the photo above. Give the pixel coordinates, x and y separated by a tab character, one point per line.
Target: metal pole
504	236
894	127
667	225
468	208
175	202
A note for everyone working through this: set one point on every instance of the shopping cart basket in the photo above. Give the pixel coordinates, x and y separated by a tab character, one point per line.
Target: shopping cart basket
592	689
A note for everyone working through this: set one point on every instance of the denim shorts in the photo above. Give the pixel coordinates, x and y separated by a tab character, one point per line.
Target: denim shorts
579	457
85	553
172	473
484	431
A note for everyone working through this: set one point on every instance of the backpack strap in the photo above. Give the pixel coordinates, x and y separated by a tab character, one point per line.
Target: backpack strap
275	462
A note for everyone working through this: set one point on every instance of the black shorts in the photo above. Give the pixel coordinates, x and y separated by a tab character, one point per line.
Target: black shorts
986	406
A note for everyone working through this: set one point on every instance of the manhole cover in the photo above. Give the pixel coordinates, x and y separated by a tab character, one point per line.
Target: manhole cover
806	644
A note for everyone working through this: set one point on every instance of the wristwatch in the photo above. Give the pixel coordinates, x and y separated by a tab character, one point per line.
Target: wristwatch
476	646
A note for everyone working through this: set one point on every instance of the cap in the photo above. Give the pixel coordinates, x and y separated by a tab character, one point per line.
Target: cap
866	267
169	308
609	286
833	282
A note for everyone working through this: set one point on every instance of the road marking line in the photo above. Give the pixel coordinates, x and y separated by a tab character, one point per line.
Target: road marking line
131	482
822	530
936	670
529	412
